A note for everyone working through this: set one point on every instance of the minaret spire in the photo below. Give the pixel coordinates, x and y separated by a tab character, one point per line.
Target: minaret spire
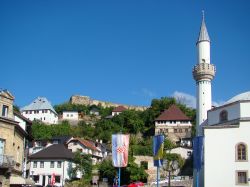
203	36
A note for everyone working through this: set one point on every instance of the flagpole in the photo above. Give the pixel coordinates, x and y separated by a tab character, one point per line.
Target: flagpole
197	178
157	176
119	177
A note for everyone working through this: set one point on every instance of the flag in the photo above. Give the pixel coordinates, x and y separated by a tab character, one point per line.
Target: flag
158	145
120	145
198	151
53	179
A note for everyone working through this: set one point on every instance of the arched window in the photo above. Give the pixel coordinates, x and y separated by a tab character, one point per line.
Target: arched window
223	116
241	152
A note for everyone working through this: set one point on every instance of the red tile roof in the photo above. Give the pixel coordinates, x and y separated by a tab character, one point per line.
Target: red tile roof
86	143
119	109
171	114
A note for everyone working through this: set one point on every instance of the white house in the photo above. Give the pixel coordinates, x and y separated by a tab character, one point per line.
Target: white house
118	110
86	147
227	142
174	124
55	159
70	115
40	109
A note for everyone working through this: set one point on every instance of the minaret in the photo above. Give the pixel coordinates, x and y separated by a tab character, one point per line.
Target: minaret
203	73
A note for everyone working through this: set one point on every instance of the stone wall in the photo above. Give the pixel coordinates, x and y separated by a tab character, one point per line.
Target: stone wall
151	171
86	100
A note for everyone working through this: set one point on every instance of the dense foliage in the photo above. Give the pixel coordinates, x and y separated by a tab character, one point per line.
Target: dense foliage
128	174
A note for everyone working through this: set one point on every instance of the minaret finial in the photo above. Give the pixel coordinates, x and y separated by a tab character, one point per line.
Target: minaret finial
203	15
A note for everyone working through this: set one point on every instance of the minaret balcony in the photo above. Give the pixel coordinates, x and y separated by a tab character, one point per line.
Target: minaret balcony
204	71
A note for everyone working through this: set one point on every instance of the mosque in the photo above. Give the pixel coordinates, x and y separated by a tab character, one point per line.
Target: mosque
226	128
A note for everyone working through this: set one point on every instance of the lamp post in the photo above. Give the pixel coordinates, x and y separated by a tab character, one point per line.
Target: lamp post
170	166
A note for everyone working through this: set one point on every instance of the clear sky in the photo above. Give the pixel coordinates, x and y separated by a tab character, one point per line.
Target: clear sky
123	51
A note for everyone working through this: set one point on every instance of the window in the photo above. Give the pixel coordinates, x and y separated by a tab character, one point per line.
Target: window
30	111
59	164
175	130
223	116
35	164
52	163
41	164
44	118
26	112
186	130
241	177
36	178
5	110
180	130
241	152
144	164
58	179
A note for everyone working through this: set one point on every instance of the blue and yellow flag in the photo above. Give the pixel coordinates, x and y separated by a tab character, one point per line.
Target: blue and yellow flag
158	145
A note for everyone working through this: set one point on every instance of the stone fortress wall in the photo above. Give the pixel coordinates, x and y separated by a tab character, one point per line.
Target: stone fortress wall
86	100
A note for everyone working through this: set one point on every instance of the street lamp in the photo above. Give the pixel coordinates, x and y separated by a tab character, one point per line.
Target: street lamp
170	166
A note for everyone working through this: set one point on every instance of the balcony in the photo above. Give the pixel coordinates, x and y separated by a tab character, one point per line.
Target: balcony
6	161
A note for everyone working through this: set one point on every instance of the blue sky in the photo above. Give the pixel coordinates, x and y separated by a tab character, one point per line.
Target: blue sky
124	51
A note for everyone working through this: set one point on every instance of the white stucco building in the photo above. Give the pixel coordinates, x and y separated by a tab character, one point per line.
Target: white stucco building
70	115
40	109
226	144
55	159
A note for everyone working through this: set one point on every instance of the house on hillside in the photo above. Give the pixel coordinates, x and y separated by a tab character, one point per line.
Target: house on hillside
118	110
53	160
174	124
40	109
12	143
94	111
86	147
38	145
70	115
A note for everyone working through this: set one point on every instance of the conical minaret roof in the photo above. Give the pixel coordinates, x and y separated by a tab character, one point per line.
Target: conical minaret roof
203	36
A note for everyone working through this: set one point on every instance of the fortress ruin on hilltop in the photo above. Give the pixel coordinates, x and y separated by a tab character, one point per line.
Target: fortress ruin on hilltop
86	100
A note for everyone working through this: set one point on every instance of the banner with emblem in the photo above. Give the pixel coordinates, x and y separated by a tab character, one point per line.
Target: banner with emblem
158	145
120	145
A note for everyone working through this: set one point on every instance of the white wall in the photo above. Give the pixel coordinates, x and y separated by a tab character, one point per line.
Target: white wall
70	115
234	112
22	123
219	156
48	117
46	171
184	152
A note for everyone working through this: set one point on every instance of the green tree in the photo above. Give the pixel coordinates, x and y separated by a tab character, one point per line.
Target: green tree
133	172
40	131
83	164
106	170
168	144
